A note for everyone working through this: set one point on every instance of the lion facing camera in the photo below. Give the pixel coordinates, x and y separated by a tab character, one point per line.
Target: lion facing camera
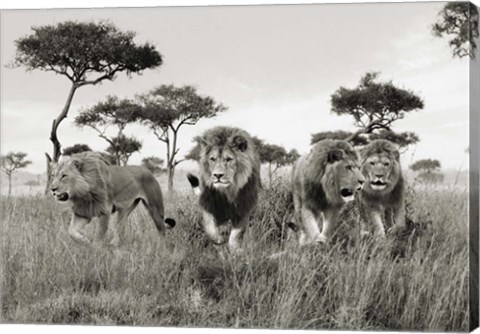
382	197
229	182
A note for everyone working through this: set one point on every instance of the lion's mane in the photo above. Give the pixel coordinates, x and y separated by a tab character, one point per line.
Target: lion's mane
395	192
89	191
242	195
318	183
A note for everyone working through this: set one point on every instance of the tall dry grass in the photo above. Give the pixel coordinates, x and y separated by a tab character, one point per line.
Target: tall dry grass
183	280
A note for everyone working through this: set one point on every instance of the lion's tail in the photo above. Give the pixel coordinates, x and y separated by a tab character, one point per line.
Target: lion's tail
169	223
154	203
195	183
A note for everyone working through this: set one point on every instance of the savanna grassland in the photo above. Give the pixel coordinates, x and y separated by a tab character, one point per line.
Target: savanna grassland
183	280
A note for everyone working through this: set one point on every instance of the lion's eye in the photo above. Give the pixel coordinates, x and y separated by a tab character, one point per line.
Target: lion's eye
386	164
349	167
64	175
372	163
228	159
212	159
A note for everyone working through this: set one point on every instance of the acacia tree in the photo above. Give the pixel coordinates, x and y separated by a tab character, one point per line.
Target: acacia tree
12	162
77	148
459	21
429	170
374	106
275	156
167	108
425	165
122	147
112	112
153	164
84	53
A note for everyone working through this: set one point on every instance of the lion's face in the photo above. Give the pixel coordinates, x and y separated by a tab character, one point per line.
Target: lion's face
222	164
227	159
345	177
382	172
67	180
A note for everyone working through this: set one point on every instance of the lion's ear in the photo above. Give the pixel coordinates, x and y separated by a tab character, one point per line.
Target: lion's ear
240	142
77	164
202	141
396	155
334	155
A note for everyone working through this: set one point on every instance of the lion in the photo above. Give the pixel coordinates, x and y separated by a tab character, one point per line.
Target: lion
229	183
323	181
94	188
382	198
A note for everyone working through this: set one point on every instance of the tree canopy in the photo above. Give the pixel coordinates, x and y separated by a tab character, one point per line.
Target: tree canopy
113	112
153	164
167	108
374	105
77	148
85	53
458	21
401	139
426	165
122	147
11	162
428	171
340	135
275	156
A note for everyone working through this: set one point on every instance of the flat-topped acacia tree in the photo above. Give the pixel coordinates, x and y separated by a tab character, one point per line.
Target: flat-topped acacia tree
86	53
12	162
166	108
375	107
274	156
113	112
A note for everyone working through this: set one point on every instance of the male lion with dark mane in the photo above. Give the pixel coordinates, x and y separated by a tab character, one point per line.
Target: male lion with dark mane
322	182
382	198
94	188
229	182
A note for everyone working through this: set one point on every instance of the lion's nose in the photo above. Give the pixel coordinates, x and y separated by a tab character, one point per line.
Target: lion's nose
379	175
218	175
53	189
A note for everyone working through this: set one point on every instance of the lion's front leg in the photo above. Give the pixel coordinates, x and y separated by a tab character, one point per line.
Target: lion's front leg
101	227
210	228
399	220
236	235
76	229
118	220
310	227
329	225
375	218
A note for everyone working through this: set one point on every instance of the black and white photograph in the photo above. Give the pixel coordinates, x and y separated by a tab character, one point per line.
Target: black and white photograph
261	166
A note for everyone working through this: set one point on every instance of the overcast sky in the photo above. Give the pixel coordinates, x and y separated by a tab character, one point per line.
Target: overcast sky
275	67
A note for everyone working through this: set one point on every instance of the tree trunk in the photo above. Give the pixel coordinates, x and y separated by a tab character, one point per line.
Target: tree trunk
53	135
171	161
375	124
9	184
171	172
49	173
270	176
